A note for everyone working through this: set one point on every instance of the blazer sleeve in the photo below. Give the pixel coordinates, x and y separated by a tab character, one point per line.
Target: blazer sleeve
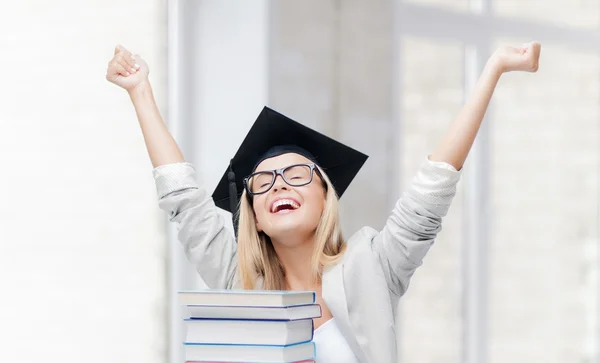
415	222
202	231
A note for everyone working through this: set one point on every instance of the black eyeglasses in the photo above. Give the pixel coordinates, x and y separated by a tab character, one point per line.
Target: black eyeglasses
295	175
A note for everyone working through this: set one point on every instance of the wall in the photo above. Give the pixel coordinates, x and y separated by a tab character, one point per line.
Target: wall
82	252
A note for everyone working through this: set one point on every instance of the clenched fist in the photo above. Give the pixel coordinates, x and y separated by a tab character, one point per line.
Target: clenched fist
525	58
126	70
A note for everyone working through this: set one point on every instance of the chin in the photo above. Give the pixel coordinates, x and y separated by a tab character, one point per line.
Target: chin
289	227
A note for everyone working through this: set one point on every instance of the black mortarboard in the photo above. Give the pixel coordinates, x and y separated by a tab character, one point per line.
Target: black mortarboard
274	134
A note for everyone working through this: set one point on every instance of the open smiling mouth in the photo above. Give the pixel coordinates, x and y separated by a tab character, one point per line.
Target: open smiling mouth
284	206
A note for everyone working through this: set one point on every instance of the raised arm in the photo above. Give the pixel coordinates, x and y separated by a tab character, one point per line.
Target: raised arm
131	73
459	138
207	242
417	218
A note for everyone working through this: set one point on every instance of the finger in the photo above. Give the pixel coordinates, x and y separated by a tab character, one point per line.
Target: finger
533	50
525	48
533	54
119	69
127	67
132	62
532	46
120	49
123	54
125	60
537	47
136	61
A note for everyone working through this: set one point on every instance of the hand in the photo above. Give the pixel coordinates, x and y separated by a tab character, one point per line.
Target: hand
525	58
127	70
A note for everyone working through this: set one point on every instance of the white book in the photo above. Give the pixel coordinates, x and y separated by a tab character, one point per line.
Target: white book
246	297
253	312
249	353
249	332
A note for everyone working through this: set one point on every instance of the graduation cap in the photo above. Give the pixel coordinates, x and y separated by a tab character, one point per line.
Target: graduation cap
275	134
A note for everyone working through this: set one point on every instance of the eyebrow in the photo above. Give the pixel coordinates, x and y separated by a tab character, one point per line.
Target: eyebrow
306	161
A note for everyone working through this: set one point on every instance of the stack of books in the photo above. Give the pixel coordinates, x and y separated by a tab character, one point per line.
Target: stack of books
244	326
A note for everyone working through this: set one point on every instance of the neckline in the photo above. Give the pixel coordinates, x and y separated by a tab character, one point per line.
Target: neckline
322	325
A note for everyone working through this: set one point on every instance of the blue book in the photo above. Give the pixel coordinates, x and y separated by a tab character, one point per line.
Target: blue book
218	297
249	332
296	312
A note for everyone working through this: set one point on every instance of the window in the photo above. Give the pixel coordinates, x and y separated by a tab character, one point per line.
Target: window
544	200
514	274
568	13
457	5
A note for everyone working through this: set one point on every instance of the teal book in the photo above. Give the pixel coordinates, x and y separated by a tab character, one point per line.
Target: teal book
249	332
249	353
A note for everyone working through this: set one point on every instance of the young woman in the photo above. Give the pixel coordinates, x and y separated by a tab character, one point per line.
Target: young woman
289	236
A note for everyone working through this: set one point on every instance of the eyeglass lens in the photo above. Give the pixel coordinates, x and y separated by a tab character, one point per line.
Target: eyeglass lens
295	175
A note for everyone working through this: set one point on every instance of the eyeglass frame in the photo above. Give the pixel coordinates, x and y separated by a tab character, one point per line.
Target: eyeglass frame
279	172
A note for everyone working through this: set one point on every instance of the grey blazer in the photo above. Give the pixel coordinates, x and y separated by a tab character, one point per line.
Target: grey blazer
363	290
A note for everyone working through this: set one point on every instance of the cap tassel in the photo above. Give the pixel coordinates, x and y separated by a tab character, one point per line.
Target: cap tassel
233	202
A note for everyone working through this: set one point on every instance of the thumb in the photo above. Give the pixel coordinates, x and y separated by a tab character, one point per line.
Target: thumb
524	48
531	47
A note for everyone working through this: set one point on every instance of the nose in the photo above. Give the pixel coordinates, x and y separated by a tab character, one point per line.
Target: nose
279	184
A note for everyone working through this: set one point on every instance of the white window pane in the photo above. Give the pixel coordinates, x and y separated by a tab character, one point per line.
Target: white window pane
432	95
456	5
580	13
544	201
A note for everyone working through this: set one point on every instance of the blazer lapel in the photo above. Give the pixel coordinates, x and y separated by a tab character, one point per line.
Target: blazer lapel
334	295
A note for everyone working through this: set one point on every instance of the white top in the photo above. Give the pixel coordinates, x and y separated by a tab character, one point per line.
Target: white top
331	345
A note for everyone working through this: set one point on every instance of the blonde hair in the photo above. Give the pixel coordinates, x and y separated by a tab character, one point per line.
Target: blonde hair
256	254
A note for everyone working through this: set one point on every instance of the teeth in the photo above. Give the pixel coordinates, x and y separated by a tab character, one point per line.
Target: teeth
281	202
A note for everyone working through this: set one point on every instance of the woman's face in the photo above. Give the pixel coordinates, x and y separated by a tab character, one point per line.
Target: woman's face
285	209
